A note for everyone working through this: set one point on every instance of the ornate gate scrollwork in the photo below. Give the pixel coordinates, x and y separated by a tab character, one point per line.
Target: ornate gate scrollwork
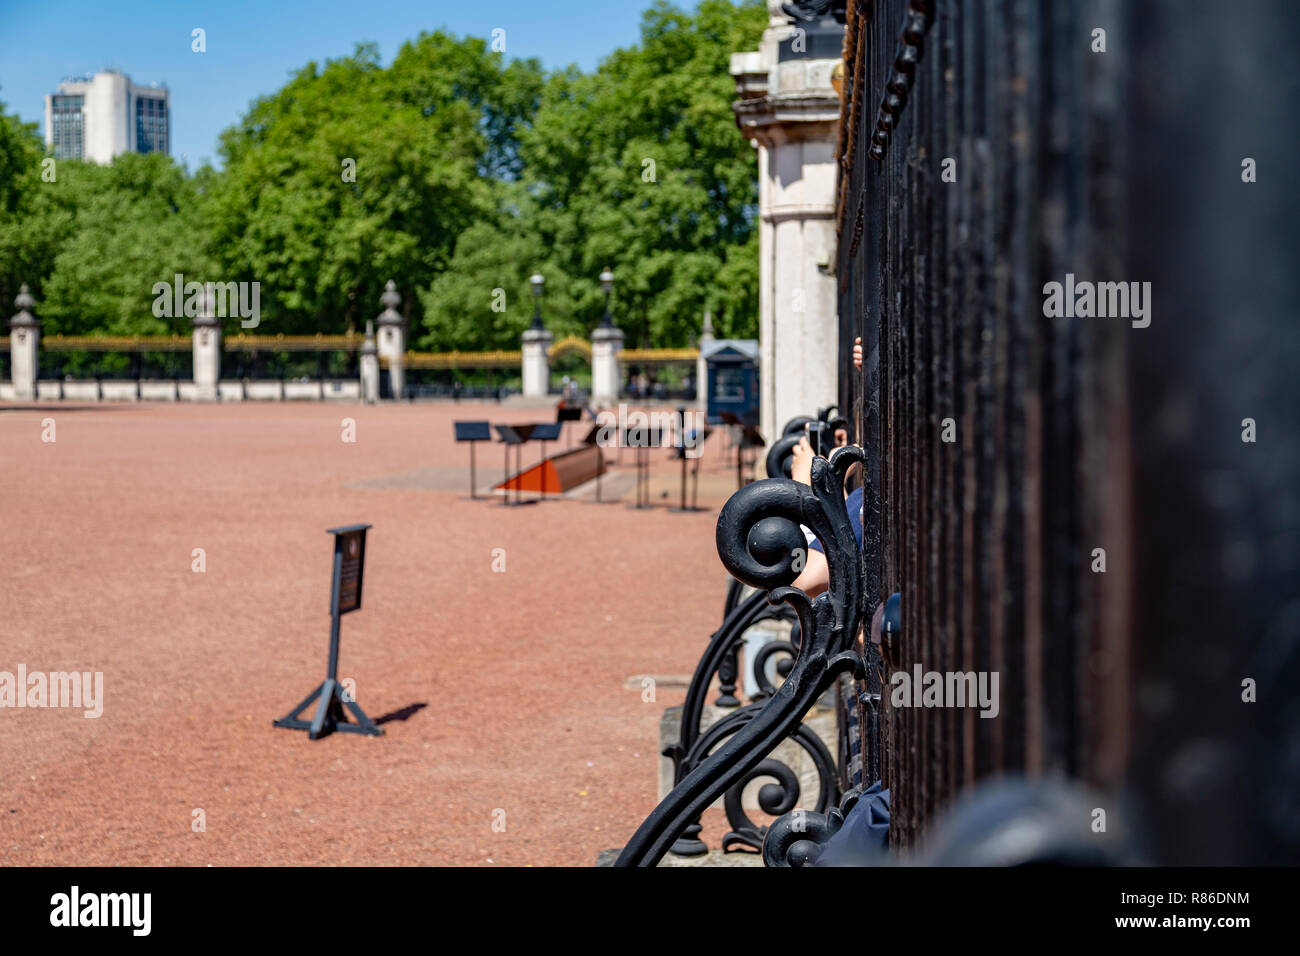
776	798
797	839
779	798
720	658
758	534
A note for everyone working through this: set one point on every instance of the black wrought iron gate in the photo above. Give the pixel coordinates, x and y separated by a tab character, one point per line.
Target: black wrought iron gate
989	149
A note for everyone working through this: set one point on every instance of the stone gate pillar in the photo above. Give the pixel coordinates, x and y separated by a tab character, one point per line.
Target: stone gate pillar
24	347
207	349
606	370
536	362
392	339
369	366
790	111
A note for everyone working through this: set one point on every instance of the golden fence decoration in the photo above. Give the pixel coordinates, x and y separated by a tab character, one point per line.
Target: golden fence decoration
657	356
493	359
319	342
568	345
116	343
350	342
183	343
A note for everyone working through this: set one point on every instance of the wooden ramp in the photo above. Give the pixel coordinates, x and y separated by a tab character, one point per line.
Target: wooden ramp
560	472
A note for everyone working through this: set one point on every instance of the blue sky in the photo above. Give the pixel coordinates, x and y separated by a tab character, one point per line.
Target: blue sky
252	47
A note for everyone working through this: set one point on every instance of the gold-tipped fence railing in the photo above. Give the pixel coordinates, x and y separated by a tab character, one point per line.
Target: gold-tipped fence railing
497	358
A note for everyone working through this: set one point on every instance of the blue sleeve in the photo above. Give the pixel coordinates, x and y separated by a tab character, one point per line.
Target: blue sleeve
854	505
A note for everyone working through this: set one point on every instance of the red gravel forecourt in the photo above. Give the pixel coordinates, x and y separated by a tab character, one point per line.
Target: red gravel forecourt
505	691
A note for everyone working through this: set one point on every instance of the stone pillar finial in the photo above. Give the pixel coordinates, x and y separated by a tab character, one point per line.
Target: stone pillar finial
391	299
25	302
24	346
392	341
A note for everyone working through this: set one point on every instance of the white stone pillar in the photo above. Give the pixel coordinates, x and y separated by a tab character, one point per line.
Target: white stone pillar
536	362
207	350
24	347
392	339
804	325
701	366
790	110
369	367
606	370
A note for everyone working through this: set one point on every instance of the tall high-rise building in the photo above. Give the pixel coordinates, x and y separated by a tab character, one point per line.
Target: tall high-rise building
105	115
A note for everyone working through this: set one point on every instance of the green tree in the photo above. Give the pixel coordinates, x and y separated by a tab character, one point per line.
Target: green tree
352	174
453	171
26	251
131	224
640	167
93	240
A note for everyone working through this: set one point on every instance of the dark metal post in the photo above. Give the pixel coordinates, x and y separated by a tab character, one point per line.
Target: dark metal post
543	468
740	457
330	698
329	689
333	671
727	674
607	286
505	473
537	283
473	483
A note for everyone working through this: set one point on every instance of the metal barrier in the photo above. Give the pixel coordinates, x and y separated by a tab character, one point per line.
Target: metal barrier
758	530
1075	502
1032	471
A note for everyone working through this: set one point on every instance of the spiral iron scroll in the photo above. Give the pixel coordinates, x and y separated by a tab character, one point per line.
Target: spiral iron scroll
758	530
724	642
774	798
797	839
779	797
719	658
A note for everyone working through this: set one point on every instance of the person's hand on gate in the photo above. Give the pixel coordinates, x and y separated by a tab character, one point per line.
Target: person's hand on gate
801	463
857	352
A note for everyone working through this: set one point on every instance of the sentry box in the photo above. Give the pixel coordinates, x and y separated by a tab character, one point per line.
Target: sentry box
345	596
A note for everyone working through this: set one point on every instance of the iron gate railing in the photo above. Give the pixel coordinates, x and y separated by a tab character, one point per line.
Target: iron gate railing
1077	503
978	412
1006	445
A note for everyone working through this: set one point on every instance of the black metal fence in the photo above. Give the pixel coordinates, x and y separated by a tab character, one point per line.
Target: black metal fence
60	364
475	385
315	365
1008	448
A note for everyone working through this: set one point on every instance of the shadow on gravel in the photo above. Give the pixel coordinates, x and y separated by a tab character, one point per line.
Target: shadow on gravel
406	713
